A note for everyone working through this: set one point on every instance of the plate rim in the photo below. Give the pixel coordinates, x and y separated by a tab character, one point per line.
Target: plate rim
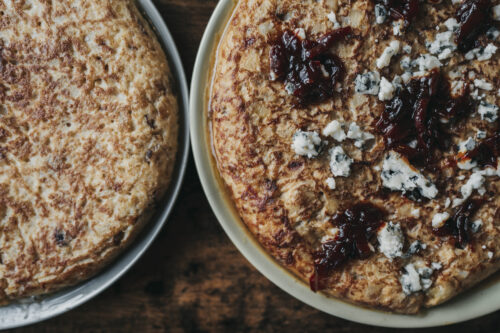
235	229
125	260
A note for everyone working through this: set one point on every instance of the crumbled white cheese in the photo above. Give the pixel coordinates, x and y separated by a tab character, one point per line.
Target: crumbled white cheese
436	266
414	280
397	82
456	87
425	277
333	18
475	182
360	137
439	219
410	280
416	246
290	88
467	145
407	49
490	254
398	175
306	143
451	24
386	91
334	129
496	12
367	83
481	134
331	183
488	112
391	240
415	212
475	94
405	63
464	147
340	162
492	33
447	203
481	53
397	27
406	77
482	84
390	50
427	62
476	225
443	45
380	13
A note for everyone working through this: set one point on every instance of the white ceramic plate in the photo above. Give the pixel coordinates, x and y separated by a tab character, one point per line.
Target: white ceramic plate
477	302
34	310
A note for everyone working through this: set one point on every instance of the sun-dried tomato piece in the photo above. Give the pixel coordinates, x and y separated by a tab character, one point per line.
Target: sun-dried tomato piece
356	226
308	68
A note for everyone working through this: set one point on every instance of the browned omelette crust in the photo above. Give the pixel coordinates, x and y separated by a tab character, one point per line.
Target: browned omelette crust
277	192
88	137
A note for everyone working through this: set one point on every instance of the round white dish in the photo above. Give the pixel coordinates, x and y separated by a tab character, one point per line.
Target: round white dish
474	303
33	310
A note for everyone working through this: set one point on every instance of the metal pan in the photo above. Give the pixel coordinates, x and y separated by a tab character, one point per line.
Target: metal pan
33	310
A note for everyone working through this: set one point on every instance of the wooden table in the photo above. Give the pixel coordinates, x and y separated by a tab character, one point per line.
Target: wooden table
193	279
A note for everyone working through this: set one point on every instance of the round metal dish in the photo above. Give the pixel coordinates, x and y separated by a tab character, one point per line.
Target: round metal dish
33	310
478	301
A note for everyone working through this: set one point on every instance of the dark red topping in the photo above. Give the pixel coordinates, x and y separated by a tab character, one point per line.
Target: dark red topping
356	226
413	114
401	9
308	68
473	16
458	226
486	152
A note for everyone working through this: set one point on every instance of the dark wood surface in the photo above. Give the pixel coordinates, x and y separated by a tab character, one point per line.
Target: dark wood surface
193	279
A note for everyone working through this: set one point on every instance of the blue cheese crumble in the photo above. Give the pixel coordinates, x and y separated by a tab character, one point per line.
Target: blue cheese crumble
306	143
380	14
398	175
367	83
483	84
496	12
391	240
386	91
439	219
481	53
333	18
355	133
340	162
492	33
443	45
391	50
330	182
476	226
414	280
426	62
397	27
464	147
334	130
488	112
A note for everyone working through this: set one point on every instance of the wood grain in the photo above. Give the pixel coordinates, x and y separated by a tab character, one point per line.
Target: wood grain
193	279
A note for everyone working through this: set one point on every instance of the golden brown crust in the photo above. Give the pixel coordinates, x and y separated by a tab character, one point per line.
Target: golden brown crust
284	199
88	137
